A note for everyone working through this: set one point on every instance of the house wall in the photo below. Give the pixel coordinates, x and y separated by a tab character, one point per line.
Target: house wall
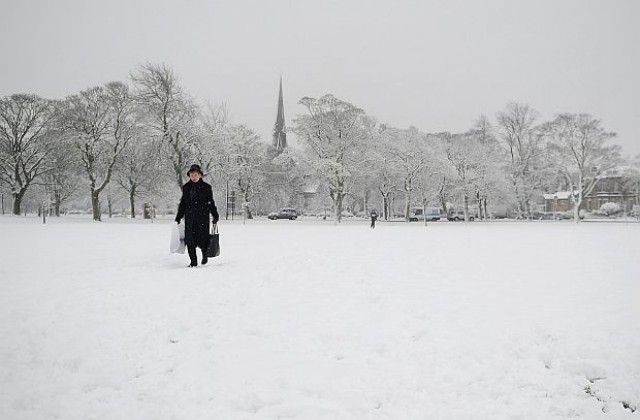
609	190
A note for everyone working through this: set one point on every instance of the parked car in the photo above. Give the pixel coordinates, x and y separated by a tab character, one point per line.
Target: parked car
564	215
418	214
290	214
547	215
538	215
500	211
554	215
455	215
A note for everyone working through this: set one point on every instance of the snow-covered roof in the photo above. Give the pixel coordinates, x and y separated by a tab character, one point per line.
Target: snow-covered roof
560	195
620	171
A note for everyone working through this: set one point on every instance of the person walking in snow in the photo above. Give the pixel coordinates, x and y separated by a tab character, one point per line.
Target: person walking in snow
195	206
374	217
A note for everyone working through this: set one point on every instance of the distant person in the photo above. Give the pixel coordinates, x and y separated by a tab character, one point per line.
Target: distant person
374	217
195	205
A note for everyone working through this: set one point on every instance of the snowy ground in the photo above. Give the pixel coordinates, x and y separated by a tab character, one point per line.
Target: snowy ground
308	320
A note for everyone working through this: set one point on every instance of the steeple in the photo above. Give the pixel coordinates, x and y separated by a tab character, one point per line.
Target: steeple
279	131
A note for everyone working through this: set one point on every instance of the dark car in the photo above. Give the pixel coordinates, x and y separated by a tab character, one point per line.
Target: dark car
554	215
290	214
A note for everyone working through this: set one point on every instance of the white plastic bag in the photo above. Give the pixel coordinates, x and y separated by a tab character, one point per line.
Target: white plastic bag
177	245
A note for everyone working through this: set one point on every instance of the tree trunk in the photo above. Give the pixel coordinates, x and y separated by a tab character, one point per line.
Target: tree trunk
178	160
424	210
443	197
337	197
407	201
56	203
246	210
516	191
385	206
466	208
95	205
443	203
481	214
576	207
392	205
132	204
17	201
245	202
407	210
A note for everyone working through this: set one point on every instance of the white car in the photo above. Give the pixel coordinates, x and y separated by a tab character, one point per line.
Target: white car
455	215
432	214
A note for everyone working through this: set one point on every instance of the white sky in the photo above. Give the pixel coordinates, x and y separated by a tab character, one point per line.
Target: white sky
436	65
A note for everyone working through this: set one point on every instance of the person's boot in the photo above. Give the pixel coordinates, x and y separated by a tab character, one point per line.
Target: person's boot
192	256
205	259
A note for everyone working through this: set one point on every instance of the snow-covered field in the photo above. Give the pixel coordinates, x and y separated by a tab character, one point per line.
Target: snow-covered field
309	320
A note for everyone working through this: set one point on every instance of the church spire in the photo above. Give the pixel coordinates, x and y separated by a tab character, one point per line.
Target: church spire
279	131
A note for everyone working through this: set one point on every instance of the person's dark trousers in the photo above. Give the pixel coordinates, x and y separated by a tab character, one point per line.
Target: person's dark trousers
192	254
373	223
204	252
194	257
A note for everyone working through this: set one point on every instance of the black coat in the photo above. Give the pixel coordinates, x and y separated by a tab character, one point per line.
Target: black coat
195	206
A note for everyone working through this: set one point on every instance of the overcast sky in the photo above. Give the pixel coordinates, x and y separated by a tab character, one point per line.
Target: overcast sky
436	65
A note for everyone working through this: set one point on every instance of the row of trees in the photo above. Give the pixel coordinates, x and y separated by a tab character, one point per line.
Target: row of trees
138	136
134	140
513	162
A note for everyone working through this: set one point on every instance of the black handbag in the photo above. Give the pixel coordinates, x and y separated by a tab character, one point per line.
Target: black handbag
214	242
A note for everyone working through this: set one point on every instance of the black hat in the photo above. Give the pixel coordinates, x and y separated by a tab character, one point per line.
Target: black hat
195	168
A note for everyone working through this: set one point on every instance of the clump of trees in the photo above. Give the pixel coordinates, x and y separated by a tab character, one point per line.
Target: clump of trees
126	142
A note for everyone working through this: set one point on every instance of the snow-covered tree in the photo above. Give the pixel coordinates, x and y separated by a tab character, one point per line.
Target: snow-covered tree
581	151
460	151
410	152
100	123
246	155
139	168
486	174
287	176
429	187
214	127
333	134
522	140
172	115
380	169
63	181
386	183
24	145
